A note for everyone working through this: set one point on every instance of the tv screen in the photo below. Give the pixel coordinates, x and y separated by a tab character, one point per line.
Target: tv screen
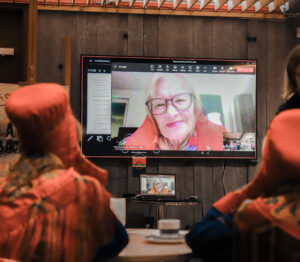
168	107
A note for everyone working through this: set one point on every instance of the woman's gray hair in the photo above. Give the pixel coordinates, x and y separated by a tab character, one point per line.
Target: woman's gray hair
158	78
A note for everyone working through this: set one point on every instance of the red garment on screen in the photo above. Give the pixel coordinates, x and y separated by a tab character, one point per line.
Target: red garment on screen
207	136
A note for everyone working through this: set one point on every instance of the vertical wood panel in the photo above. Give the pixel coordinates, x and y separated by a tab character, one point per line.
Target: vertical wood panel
135	35
203	183
277	32
150	35
51	47
32	41
257	50
85	34
84	41
117	175
110	34
238	35
203	37
218	187
229	35
234	176
175	36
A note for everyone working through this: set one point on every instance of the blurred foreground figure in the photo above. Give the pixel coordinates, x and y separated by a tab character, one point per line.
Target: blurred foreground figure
271	200
53	204
291	86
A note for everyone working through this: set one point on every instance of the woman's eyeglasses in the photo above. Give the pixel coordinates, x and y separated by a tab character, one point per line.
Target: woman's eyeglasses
158	106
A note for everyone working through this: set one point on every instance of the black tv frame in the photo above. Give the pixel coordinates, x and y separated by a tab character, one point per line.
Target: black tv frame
106	151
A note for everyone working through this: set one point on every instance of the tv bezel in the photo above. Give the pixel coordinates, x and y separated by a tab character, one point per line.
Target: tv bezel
186	154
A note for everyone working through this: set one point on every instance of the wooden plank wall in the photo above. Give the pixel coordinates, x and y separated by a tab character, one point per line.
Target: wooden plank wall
122	34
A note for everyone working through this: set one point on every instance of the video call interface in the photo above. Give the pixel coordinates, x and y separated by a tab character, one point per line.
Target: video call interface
157	185
168	107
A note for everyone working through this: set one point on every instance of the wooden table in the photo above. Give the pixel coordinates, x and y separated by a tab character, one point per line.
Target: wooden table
138	249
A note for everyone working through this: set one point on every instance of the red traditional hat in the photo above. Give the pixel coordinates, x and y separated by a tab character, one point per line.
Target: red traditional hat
45	123
280	162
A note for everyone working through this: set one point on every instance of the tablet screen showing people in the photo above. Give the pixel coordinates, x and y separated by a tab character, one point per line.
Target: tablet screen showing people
157	185
174	108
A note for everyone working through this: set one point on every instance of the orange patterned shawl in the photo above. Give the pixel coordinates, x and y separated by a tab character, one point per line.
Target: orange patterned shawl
51	214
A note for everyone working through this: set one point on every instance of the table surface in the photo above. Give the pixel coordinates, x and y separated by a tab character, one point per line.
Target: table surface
139	249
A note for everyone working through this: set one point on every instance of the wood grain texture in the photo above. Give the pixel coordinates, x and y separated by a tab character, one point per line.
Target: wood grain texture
203	37
51	47
176	37
257	50
83	36
135	35
277	33
68	47
110	34
150	35
203	182
117	175
229	35
234	175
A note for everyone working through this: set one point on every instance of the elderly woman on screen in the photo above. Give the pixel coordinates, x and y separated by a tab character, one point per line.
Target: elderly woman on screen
158	188
175	120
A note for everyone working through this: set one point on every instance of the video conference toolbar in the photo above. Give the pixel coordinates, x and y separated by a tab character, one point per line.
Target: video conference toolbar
172	66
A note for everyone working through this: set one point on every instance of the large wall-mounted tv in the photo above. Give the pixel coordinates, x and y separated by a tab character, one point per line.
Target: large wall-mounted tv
168	107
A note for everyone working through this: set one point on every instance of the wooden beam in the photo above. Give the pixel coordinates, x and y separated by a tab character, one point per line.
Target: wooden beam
261	4
233	4
275	4
176	3
219	4
204	3
191	3
160	3
246	4
96	9
67	60
32	41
